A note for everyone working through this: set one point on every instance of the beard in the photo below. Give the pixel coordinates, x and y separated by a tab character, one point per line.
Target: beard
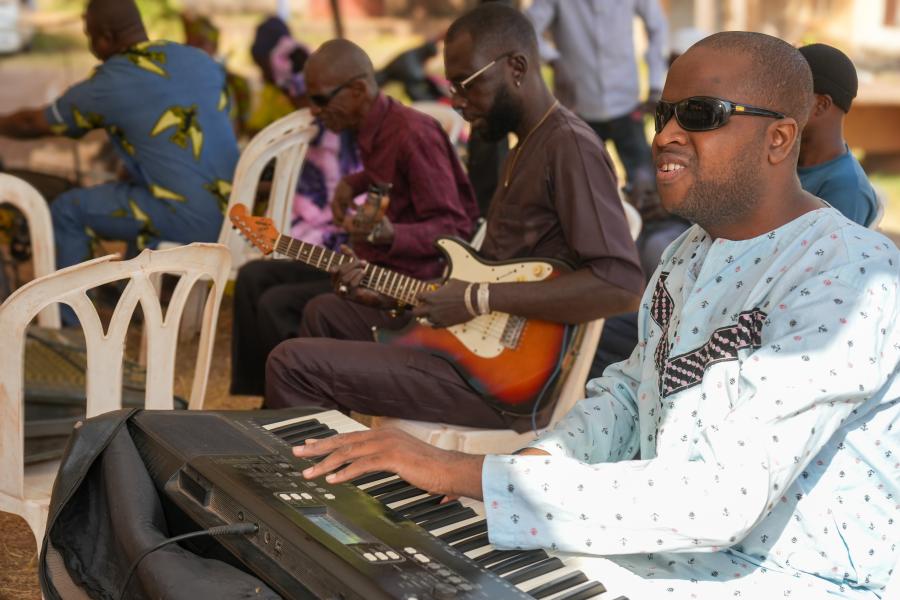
726	200
503	118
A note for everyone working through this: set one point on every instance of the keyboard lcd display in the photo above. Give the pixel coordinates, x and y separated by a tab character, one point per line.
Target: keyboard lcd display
338	530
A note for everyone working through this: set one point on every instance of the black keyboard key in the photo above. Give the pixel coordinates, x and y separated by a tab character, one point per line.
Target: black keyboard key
560	584
296	427
528	557
384	488
404	494
462	515
420	504
585	592
495	556
473	543
433	512
370	477
548	565
300	433
464	532
321	436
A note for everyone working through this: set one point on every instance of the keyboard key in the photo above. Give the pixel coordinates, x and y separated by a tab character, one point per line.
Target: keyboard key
432	512
384	488
462	515
559	584
370	478
464	532
585	592
527	557
495	556
422	503
402	494
530	572
479	541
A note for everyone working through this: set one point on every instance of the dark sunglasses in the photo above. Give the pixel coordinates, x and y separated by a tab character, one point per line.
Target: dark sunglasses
322	100
702	113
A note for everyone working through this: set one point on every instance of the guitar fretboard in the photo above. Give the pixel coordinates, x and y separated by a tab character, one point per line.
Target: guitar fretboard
395	285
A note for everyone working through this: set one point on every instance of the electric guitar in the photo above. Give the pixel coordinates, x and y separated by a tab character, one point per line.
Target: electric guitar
512	361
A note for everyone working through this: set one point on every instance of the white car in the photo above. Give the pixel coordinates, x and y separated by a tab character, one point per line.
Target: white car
16	30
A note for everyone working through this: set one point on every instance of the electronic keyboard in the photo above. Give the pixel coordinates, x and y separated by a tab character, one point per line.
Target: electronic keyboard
375	537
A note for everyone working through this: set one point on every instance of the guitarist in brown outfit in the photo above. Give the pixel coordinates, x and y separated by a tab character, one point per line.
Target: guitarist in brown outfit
400	149
557	199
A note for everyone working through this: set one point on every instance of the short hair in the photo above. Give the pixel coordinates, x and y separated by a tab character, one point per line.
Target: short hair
778	72
496	27
116	16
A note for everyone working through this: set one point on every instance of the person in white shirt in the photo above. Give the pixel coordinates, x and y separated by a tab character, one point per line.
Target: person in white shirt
748	447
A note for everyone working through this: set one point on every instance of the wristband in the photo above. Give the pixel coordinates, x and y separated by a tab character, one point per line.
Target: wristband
467	297
484	298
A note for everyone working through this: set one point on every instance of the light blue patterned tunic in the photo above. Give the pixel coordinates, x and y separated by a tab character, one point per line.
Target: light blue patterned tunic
763	402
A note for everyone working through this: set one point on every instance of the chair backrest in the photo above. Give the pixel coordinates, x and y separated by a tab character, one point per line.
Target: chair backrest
635	223
450	120
32	205
286	140
880	201
105	349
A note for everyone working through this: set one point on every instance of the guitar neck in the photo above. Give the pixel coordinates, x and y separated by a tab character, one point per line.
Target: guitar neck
394	285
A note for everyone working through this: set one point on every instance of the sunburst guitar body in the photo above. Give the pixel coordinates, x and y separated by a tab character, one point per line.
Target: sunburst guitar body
506	358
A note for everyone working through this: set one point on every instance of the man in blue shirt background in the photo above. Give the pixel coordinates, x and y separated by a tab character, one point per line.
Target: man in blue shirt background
826	167
166	109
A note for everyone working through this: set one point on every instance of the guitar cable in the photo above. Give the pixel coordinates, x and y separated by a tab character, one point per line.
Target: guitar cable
234	529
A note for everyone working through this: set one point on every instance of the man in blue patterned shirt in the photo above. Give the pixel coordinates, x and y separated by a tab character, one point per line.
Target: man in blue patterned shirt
748	447
165	108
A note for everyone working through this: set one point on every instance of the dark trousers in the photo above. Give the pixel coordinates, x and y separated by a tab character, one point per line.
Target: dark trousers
335	365
269	297
628	135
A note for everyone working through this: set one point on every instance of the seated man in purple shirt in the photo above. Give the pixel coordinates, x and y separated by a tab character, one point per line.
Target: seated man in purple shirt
430	195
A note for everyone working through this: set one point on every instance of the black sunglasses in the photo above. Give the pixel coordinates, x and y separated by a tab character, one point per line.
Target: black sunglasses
702	113
322	100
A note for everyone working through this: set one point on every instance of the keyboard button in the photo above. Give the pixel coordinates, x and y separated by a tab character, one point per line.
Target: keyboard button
410	550
370	557
422	558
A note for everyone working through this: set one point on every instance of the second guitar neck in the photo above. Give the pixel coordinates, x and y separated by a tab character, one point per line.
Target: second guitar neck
402	288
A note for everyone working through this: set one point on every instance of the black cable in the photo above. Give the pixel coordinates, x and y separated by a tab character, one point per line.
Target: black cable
235	529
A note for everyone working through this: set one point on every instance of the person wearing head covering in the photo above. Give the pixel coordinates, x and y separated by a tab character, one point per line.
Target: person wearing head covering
271	103
826	167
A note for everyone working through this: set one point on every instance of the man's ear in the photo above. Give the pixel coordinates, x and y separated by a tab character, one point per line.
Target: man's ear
519	63
781	137
821	105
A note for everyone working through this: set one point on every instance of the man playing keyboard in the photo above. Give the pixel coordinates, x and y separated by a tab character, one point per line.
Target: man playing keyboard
762	396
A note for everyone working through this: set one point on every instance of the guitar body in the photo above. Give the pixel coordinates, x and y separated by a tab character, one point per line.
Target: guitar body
508	359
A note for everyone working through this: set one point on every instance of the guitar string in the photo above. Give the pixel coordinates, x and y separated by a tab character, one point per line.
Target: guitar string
492	329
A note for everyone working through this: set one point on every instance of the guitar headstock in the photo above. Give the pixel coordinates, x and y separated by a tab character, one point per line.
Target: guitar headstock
259	231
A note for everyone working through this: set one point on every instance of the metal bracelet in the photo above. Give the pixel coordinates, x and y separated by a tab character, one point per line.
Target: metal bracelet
484	298
467	298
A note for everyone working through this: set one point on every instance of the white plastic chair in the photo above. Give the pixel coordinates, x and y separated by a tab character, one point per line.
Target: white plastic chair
450	120
879	209
501	441
32	205
26	491
287	141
